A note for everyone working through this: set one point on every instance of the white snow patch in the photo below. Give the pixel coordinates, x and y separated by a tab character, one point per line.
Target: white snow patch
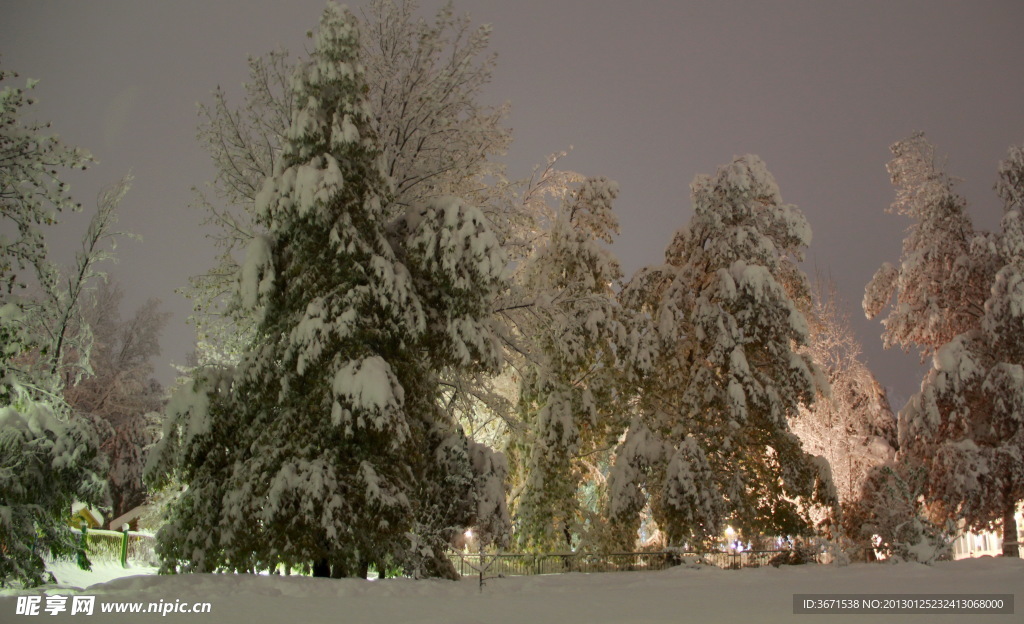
683	594
367	384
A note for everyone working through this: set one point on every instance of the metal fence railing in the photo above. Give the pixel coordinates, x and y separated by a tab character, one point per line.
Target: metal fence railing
132	546
106	545
516	564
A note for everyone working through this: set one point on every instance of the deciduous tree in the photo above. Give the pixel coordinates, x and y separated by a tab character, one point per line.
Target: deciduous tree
47	461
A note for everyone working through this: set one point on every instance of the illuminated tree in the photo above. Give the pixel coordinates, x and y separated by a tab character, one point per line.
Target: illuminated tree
941	283
851	426
722	372
568	400
964	426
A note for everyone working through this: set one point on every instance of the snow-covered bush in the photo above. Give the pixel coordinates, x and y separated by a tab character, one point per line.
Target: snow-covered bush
800	553
890	520
46	465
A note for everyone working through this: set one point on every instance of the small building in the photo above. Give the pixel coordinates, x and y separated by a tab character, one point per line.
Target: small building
83	514
985	543
130	517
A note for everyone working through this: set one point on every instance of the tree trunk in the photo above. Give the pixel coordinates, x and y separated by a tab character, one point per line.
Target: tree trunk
321	568
1010	546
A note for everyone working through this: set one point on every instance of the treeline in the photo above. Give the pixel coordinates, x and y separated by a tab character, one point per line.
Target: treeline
400	343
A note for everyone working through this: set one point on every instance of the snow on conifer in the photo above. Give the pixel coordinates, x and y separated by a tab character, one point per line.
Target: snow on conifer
964	426
327	448
435	137
940	285
568	396
716	332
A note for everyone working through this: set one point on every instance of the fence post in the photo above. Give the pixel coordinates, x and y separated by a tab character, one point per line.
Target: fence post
83	558
124	545
480	543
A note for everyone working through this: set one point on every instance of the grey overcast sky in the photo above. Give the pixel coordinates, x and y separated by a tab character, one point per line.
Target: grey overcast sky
649	93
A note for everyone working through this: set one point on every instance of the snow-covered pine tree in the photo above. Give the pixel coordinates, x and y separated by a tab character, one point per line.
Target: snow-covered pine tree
47	461
568	396
965	425
328	446
719	336
939	288
437	139
424	79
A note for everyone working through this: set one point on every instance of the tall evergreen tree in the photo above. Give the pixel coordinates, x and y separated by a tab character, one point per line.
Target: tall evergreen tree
424	80
940	286
328	446
964	426
722	372
568	395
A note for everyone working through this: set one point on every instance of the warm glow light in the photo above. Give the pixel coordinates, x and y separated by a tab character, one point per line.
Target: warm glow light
469	534
730	532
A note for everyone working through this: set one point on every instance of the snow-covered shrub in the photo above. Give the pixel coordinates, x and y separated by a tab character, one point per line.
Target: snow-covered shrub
46	465
800	553
890	520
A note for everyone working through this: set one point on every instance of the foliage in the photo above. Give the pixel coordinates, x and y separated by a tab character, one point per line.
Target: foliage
328	447
851	426
568	398
958	298
45	466
120	396
941	283
964	426
889	519
46	461
423	81
717	329
31	192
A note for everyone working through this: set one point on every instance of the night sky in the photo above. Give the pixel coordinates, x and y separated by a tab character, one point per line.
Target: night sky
647	93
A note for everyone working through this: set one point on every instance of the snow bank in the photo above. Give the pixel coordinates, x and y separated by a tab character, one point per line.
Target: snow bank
676	595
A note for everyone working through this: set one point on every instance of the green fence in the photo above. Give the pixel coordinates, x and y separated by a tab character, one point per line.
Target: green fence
120	546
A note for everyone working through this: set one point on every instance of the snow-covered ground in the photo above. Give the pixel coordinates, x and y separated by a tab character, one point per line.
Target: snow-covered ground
674	596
